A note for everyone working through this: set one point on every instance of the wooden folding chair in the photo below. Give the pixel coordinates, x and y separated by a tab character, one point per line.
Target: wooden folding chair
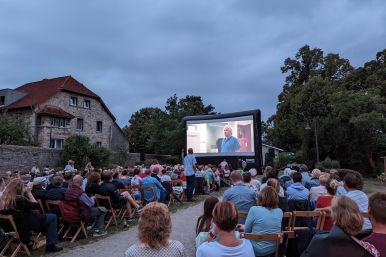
13	237
105	201
41	206
308	215
287	226
277	237
243	214
81	228
49	205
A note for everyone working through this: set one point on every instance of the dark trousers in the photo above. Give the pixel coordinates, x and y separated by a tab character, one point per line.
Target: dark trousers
190	181
50	229
199	185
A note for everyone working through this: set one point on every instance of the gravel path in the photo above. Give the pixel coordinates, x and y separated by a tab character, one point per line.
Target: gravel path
184	222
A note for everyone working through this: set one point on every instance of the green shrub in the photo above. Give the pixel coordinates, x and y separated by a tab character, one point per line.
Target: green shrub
283	159
172	160
14	131
328	164
79	149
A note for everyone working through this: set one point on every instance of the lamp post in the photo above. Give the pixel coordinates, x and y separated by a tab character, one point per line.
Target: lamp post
316	139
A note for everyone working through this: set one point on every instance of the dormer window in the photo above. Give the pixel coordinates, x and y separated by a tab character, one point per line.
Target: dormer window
86	104
73	101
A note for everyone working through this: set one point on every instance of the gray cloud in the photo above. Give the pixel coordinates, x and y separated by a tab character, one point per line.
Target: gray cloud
136	54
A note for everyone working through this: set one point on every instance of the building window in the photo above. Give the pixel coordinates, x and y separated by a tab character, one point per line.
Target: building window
99	126
79	124
87	104
56	143
58	122
73	101
99	143
2	100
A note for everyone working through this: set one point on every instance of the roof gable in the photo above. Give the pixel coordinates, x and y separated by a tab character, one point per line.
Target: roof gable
40	91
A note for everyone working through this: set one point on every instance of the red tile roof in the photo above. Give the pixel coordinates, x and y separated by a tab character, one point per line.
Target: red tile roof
55	111
40	91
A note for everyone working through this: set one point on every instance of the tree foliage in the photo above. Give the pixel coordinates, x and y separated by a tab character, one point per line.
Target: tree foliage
152	130
14	131
79	149
346	105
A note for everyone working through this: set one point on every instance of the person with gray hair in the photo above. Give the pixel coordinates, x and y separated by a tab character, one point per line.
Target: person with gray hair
230	144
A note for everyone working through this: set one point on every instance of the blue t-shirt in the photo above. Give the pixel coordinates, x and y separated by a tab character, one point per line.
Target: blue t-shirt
230	145
261	220
242	197
189	161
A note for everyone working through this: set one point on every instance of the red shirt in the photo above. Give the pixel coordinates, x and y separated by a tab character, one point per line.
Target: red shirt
379	241
322	202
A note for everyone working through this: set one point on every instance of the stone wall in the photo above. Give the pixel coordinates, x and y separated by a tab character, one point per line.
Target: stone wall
22	158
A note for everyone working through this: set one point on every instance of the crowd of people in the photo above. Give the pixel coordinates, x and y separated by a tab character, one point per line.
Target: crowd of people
355	224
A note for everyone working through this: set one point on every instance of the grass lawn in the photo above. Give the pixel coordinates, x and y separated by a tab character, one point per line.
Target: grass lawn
372	186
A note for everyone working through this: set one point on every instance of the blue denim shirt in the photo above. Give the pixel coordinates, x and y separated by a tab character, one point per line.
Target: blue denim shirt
189	161
230	145
155	184
241	196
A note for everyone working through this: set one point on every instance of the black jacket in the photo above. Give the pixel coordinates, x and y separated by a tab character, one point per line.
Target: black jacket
336	243
107	188
56	193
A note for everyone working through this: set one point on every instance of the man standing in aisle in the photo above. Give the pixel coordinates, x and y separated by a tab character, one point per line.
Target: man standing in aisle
189	172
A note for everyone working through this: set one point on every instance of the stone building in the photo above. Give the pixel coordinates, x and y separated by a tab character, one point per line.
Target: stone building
57	108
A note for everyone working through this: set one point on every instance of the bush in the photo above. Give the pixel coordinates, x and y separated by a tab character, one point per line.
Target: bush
14	131
172	160
328	164
79	149
283	159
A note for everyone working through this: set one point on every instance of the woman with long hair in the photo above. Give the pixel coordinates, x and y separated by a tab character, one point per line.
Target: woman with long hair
204	222
20	202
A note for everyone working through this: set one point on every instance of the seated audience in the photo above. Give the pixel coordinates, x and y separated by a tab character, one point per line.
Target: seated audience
297	191
124	177
340	241
165	177
353	183
204	222
119	200
266	174
305	174
225	217
274	183
271	173
316	191
314	179
70	166
136	184
377	214
155	173
83	204
19	200
264	219
240	195
247	179
56	191
154	230
341	190
67	178
116	181
93	181
150	181
38	189
324	201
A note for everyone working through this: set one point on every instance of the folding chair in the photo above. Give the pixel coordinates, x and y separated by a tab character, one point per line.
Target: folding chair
41	206
12	236
105	201
277	237
53	207
287	221
243	214
308	216
72	223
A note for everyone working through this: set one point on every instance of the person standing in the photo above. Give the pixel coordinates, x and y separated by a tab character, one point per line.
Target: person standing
189	172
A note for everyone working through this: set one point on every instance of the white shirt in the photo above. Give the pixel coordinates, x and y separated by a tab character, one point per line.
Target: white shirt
317	191
209	249
165	178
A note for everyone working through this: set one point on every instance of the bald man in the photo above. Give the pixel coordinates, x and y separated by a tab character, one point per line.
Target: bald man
229	144
77	195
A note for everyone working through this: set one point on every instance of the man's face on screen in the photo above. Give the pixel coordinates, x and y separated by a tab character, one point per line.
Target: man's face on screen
227	132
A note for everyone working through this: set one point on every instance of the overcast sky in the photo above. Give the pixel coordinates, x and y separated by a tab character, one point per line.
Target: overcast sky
136	54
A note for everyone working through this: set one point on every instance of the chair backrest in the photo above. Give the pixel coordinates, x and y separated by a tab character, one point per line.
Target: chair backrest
51	203
287	221
307	218
41	207
243	214
104	201
277	237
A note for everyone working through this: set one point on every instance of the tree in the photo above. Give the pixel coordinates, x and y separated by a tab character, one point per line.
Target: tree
79	149
13	131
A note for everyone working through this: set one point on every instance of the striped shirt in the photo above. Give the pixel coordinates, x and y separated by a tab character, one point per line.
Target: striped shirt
361	199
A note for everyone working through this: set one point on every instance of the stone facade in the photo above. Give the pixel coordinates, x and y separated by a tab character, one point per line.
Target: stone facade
90	116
